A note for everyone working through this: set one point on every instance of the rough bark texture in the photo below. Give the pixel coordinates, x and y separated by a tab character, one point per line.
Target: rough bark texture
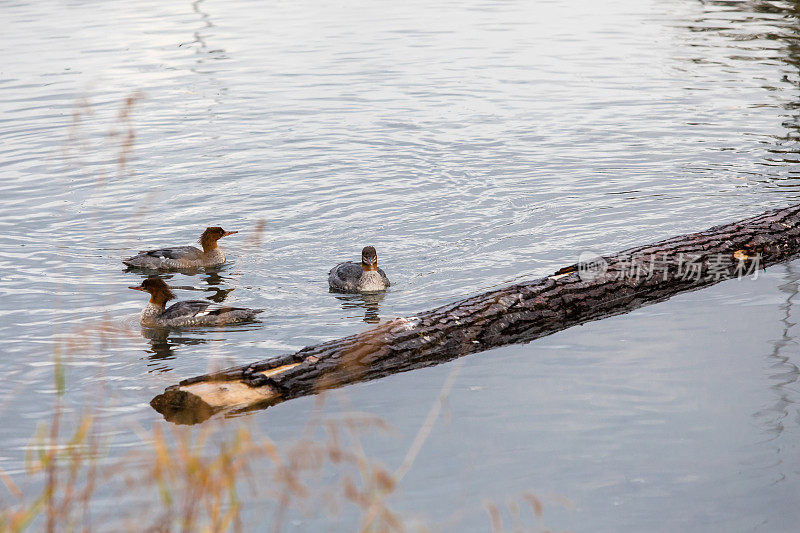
517	313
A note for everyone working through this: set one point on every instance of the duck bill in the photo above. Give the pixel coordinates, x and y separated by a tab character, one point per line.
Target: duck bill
136	288
229	233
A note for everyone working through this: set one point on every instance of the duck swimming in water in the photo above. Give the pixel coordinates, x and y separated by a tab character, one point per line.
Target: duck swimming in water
187	313
351	277
184	257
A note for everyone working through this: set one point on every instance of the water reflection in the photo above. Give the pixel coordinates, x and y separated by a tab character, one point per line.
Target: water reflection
219	295
201	48
767	32
147	273
215	280
783	372
369	302
163	345
213	277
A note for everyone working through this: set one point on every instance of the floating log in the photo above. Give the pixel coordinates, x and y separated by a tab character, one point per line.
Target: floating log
592	289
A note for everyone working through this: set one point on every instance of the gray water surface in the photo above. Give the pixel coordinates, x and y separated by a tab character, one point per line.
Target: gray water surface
472	143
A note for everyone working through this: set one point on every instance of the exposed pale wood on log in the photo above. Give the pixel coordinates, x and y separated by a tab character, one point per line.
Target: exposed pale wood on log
516	313
204	398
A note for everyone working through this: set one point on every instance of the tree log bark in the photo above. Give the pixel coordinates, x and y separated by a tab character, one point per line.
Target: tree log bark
518	313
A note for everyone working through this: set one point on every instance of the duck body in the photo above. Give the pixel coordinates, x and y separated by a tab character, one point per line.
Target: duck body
195	313
178	258
183	257
187	313
352	277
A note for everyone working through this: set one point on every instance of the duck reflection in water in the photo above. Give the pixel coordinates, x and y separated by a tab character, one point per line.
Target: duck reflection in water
214	280
213	275
369	301
163	343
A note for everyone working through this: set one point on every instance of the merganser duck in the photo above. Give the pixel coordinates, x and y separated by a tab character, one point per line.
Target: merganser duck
350	277
187	313
184	257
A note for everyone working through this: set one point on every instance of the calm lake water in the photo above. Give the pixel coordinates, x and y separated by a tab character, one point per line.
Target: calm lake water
472	143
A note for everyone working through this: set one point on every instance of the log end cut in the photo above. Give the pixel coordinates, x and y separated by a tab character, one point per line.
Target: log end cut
181	407
197	402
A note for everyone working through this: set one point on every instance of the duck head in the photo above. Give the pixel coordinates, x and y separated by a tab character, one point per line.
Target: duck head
369	259
209	238
159	291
